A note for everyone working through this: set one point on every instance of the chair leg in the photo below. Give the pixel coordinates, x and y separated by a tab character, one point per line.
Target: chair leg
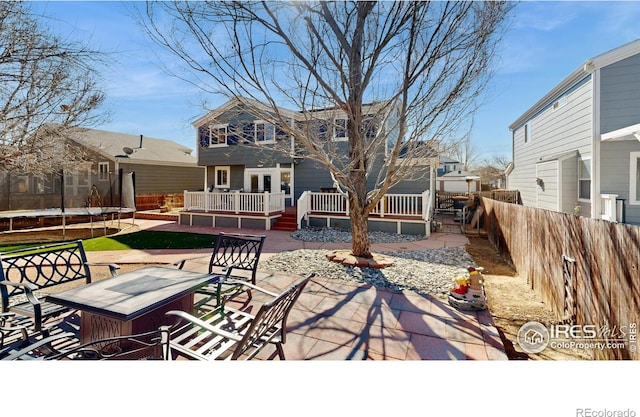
280	351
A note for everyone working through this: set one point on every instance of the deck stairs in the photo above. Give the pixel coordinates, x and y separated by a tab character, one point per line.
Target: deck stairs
288	222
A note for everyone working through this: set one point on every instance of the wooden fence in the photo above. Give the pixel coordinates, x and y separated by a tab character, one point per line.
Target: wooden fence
444	199
156	201
586	270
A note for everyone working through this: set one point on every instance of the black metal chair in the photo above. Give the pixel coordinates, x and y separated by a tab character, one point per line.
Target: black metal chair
151	345
236	334
234	257
26	275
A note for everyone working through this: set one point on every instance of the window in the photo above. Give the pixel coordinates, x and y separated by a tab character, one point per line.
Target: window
39	186
103	171
264	132
340	130
526	133
218	135
560	102
215	135
21	184
584	180
634	178
222	175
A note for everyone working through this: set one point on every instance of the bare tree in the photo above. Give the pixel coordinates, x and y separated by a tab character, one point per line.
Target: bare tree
421	64
493	168
47	85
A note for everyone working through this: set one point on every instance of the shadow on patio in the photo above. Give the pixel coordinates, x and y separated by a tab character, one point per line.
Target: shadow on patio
336	320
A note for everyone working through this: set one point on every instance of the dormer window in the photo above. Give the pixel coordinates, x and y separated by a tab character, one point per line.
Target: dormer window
340	130
264	132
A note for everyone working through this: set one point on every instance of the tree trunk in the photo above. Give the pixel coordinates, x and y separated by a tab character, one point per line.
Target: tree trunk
360	244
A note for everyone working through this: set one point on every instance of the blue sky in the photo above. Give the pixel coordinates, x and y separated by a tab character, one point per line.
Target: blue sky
546	41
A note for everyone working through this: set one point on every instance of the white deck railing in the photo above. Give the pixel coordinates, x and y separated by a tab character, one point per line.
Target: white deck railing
608	207
234	202
390	205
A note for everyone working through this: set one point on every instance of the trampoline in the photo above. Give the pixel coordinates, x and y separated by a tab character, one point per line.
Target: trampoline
95	205
91	212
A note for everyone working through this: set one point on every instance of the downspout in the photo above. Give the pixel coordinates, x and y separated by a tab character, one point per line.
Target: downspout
595	147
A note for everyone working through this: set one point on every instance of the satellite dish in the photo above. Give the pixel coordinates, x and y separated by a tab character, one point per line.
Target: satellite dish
127	150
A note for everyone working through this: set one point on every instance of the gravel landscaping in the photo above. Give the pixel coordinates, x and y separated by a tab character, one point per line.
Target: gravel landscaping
425	271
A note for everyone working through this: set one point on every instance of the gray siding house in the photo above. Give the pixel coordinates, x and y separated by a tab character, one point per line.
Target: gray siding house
577	150
243	153
160	165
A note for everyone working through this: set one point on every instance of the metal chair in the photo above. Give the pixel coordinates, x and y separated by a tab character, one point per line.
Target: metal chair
232	253
236	334
65	346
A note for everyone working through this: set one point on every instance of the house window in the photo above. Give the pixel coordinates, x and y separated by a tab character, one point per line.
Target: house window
264	132
21	184
39	185
584	179
218	135
222	175
526	133
634	178
340	130
103	171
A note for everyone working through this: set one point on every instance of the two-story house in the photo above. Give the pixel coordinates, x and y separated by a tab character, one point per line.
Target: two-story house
245	154
577	150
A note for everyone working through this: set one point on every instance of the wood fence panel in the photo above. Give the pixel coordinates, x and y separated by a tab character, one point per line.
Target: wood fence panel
605	286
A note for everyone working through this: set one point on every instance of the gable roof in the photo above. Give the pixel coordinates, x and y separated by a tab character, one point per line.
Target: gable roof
589	67
146	150
292	114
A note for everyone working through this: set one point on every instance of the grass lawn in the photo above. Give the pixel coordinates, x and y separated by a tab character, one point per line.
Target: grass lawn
144	239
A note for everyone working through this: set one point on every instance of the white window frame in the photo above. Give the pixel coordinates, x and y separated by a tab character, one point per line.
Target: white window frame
103	171
634	198
227	170
588	161
265	125
216	128
337	138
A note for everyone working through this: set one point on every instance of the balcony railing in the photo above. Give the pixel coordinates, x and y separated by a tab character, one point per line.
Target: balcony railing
234	202
401	205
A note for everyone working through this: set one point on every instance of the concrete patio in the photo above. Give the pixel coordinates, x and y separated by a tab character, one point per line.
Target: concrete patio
339	320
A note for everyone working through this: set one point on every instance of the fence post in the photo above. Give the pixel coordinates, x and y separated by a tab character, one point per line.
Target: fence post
236	202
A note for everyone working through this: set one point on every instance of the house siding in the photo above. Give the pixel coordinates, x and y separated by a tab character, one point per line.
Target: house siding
151	179
620	107
614	166
569	184
553	132
620	94
547	192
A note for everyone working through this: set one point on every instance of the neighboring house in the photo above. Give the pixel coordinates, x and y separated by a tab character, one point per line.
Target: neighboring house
577	150
458	181
448	165
159	166
237	149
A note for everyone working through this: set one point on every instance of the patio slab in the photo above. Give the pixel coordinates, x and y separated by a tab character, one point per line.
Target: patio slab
337	320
